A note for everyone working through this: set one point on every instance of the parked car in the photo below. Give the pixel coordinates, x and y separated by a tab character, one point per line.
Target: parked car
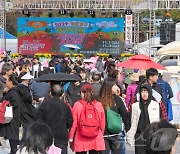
171	62
169	56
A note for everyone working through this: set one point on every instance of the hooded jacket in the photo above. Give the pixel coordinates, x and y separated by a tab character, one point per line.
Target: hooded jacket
151	113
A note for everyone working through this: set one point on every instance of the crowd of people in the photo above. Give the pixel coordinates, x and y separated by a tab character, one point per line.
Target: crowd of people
99	114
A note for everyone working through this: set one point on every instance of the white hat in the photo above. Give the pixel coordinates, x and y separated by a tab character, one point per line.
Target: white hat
27	76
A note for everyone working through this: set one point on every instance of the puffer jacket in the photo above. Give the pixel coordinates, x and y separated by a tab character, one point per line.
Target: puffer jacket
130	93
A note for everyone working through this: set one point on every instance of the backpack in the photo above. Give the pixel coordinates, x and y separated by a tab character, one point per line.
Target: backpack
114	121
89	122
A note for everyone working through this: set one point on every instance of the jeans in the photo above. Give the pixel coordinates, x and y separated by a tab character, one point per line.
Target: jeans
139	144
113	144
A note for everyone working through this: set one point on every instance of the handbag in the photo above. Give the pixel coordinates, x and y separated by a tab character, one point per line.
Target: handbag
169	110
54	150
6	112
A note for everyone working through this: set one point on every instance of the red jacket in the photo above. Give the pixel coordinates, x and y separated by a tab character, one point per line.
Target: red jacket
82	143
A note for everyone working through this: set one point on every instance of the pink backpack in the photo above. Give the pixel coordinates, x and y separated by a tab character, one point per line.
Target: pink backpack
89	122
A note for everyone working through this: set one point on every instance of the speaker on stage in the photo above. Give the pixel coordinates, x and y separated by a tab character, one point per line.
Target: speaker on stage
167	32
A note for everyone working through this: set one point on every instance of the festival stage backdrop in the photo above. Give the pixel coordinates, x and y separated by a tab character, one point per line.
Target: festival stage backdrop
91	35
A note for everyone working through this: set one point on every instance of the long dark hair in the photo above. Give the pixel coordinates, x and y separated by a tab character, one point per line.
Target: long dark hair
89	95
38	138
105	92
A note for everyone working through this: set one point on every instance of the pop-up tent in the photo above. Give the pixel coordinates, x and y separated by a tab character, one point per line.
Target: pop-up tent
144	46
170	48
11	41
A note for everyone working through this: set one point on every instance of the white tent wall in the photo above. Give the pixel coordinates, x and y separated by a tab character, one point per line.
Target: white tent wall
143	47
178	31
11	44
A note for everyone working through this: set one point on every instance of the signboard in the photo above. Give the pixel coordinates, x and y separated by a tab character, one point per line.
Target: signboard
128	31
49	35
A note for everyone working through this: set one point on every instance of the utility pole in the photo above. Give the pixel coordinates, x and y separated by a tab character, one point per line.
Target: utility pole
152	24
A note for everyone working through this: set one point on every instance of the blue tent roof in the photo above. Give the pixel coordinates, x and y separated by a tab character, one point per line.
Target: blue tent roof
8	35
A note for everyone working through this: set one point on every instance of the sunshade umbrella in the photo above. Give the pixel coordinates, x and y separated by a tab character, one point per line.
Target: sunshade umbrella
72	46
61	77
141	57
140	62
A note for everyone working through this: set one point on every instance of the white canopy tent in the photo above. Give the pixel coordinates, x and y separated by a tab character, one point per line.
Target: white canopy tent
11	44
170	48
11	41
143	47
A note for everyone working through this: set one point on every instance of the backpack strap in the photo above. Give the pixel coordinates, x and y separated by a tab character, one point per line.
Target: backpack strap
83	102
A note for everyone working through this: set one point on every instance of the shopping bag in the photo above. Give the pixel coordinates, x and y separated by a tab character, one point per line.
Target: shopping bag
54	150
6	112
8	116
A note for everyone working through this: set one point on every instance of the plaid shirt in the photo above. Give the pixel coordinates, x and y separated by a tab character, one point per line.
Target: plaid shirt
163	110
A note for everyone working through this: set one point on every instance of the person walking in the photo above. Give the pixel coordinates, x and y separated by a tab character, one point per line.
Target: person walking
37	139
152	77
87	133
28	111
11	130
166	91
36	68
96	83
111	101
131	89
57	115
142	113
6	71
165	135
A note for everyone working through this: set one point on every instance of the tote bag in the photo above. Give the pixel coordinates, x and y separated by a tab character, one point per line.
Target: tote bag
8	116
6	112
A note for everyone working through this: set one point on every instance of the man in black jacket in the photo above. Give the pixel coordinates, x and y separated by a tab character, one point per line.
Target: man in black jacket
57	115
28	111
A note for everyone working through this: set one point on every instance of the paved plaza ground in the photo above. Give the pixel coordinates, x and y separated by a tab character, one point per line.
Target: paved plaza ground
130	150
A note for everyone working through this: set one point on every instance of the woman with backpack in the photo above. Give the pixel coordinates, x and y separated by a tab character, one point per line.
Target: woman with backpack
116	114
89	123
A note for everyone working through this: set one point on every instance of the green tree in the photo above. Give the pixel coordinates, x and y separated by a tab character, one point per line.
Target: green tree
175	15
